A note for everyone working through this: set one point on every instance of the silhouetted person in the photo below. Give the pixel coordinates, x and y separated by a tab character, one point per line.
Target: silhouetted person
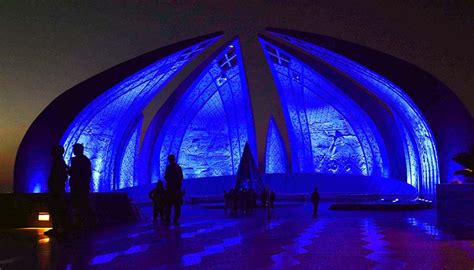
315	200
158	197
264	197
79	183
56	184
234	201
227	203
174	182
254	200
272	199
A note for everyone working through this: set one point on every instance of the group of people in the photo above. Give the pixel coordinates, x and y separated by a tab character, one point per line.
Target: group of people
169	196
165	197
244	199
79	215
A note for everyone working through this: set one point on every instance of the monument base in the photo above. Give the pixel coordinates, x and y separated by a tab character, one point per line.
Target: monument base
31	209
455	203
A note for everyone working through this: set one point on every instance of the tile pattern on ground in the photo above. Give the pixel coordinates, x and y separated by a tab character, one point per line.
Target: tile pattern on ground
291	239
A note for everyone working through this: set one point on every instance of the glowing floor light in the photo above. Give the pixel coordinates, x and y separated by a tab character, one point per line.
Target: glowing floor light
43	216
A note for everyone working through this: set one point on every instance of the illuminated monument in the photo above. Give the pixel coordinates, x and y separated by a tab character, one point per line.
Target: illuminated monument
356	121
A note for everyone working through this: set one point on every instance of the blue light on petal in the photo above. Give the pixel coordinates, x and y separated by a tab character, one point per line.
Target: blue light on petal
420	148
329	133
209	126
275	155
102	126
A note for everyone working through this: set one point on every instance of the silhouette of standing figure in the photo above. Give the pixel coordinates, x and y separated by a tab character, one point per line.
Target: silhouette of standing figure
56	184
315	200
174	181
272	199
226	201
79	183
264	197
158	196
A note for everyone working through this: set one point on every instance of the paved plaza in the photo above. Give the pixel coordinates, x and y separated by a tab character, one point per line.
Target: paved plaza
208	239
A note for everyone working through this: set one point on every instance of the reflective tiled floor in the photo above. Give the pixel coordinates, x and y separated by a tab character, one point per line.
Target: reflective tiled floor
208	239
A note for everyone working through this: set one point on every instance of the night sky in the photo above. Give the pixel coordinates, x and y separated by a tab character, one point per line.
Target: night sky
46	47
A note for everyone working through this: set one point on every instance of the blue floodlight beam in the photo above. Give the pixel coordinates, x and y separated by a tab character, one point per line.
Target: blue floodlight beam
419	144
102	125
128	160
33	159
210	120
276	160
147	165
348	144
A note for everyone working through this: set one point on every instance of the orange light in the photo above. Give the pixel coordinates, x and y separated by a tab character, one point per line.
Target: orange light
44	240
43	216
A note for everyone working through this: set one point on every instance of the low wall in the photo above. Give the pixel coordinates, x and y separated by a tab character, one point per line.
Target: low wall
455	204
22	209
290	184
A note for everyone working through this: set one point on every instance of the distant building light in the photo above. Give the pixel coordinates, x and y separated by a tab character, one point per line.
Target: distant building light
43	216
